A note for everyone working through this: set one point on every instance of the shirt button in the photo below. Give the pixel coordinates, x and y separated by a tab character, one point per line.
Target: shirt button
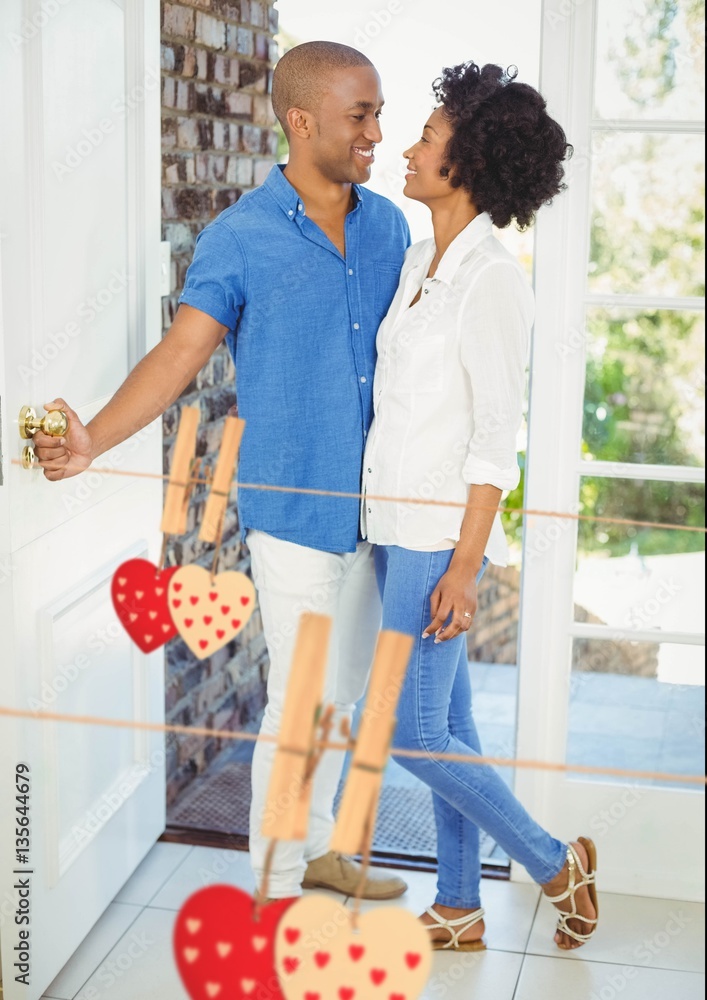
364	379
350	272
357	326
300	208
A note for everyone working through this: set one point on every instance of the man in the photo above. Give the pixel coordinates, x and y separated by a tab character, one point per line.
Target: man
297	277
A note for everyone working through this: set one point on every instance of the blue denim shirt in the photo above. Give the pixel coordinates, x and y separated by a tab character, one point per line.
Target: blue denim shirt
302	324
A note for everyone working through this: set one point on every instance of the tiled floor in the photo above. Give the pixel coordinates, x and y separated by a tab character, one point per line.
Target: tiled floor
647	949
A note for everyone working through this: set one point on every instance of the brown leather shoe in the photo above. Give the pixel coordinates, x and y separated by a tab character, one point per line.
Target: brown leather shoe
341	873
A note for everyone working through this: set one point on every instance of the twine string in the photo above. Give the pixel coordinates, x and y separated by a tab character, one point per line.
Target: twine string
262	893
227	734
419	501
366	853
218	542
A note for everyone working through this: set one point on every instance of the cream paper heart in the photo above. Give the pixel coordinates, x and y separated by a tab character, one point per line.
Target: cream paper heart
318	954
208	614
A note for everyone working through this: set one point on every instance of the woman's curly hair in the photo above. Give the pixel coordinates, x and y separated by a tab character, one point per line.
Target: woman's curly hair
506	151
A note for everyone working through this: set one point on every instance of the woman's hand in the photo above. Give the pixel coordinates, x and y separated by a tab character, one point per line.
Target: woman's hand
455	595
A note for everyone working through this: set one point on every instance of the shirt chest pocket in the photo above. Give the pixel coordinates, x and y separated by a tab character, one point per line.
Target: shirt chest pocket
385	283
418	362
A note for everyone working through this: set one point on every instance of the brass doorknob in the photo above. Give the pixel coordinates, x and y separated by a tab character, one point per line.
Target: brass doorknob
54	424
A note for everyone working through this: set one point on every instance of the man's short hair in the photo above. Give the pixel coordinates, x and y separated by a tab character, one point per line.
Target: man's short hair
303	75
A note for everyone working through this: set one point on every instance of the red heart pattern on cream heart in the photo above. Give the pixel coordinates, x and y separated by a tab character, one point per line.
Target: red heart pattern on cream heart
221	950
318	956
209	613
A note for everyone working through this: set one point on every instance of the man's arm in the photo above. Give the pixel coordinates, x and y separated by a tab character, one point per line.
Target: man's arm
150	389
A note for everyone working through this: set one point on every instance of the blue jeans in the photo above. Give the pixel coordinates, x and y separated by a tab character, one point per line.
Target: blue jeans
435	715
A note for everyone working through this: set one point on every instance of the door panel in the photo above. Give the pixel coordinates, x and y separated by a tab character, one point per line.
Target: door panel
79	298
612	636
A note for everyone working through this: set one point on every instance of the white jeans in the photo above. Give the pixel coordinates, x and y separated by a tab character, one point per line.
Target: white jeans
291	579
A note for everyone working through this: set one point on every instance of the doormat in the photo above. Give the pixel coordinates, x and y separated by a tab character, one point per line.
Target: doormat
220	802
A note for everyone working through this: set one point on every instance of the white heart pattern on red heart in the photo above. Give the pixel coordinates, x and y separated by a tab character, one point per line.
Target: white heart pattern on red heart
319	955
224	947
209	613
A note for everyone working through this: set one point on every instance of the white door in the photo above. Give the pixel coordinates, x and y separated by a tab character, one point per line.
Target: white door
79	287
612	644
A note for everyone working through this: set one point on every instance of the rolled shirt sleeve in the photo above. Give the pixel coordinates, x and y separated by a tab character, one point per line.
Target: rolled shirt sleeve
496	319
216	281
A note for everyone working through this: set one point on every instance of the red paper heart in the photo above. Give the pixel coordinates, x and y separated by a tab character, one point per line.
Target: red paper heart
219	948
413	960
357	952
146	617
346	994
322	959
292	936
378	976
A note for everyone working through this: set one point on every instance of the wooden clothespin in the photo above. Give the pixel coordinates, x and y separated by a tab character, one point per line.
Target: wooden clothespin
184	465
215	510
360	801
289	796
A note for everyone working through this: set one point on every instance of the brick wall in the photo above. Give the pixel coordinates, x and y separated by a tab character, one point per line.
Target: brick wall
494	637
217	142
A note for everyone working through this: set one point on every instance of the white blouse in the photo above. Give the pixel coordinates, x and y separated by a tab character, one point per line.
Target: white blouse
448	392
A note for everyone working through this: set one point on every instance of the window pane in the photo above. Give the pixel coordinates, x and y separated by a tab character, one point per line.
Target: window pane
640	578
645	387
650	59
626	713
647	214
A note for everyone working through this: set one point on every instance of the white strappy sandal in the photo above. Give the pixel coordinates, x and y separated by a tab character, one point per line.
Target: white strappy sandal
456	929
588	879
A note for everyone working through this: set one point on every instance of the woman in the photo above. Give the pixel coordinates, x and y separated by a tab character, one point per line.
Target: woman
448	394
